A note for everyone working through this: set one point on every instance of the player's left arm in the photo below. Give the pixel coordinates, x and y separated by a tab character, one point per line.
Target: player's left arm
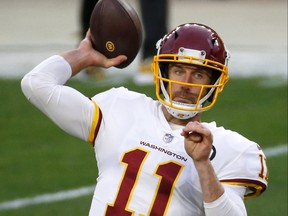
218	200
229	204
246	177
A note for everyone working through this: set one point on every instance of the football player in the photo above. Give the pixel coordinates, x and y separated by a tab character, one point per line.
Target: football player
156	157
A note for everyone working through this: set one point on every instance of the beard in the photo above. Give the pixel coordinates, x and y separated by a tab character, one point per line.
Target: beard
184	96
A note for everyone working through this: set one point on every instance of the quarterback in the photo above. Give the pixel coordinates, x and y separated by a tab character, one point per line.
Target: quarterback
156	157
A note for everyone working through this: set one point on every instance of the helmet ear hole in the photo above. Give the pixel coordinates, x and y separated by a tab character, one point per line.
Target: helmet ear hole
215	76
164	70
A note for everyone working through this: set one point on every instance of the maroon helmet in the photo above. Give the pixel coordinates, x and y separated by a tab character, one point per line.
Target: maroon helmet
194	44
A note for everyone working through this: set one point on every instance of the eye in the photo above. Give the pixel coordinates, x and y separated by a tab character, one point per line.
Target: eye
178	72
198	75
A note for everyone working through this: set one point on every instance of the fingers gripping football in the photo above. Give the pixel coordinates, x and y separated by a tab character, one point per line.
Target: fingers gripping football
94	57
198	141
116	30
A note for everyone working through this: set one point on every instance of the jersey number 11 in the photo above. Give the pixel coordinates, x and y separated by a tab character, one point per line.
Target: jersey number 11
166	172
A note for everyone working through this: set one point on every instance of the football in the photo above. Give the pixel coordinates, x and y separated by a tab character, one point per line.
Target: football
116	30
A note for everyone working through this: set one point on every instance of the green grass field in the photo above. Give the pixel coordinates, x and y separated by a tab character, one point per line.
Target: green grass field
38	158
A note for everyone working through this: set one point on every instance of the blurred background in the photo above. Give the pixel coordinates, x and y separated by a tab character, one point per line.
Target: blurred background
255	32
44	171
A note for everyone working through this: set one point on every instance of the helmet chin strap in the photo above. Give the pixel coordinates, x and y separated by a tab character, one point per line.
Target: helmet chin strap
176	110
178	113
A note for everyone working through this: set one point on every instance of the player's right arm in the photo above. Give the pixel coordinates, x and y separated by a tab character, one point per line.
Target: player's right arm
69	109
85	56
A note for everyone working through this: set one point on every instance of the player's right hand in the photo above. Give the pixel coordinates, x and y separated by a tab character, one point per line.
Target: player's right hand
96	58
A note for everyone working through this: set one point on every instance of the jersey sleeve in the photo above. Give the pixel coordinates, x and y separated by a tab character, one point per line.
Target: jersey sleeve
230	203
66	107
238	161
248	169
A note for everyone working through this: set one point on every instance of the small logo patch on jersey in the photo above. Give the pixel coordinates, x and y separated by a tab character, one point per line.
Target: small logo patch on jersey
168	138
212	153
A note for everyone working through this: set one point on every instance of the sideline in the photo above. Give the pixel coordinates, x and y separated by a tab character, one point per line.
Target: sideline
88	190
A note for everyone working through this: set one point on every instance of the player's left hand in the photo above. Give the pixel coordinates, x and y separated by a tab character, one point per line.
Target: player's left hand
198	141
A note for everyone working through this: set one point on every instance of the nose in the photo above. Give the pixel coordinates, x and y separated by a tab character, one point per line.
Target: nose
187	78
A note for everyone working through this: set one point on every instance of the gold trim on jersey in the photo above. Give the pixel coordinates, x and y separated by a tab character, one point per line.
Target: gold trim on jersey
255	188
95	124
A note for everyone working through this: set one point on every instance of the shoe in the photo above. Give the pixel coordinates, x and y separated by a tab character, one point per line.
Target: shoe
95	73
144	75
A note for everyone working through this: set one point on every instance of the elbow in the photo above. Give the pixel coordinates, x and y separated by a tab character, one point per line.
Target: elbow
30	84
25	86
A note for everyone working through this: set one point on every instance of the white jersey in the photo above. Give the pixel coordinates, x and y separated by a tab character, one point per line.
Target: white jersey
145	159
143	166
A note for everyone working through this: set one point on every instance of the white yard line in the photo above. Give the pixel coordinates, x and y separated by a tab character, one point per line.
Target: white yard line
88	190
47	198
277	150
